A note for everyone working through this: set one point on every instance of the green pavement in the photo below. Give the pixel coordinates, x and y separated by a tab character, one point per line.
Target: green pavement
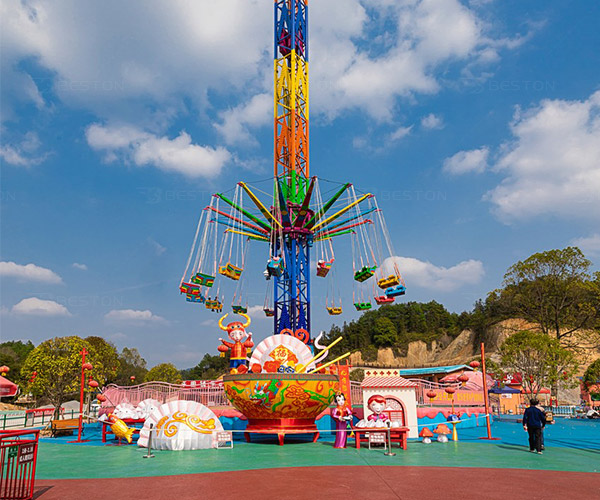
58	461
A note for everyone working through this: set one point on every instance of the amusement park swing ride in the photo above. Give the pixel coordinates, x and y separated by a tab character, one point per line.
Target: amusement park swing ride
299	215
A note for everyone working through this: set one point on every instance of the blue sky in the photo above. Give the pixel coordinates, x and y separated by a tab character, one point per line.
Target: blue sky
476	124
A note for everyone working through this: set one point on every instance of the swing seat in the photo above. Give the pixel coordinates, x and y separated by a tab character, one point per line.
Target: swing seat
395	291
195	298
362	306
275	267
334	311
231	271
391	280
189	289
239	309
323	267
269	313
216	306
384	299
365	273
203	279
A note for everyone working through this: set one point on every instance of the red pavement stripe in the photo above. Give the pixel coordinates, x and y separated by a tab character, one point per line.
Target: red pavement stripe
333	483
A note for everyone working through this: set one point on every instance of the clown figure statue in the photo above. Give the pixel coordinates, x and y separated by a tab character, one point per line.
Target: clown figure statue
239	350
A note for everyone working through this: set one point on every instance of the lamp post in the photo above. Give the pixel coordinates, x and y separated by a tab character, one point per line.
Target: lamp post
84	367
450	391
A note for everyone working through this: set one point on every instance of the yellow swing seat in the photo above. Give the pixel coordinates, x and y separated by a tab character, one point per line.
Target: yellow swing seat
231	271
334	311
391	280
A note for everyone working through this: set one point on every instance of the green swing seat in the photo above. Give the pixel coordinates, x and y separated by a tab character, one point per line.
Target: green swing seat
203	279
364	273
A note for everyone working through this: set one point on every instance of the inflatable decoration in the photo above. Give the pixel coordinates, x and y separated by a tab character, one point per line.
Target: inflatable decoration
181	425
125	410
146	407
275	398
119	428
376	404
442	431
236	332
426	434
281	353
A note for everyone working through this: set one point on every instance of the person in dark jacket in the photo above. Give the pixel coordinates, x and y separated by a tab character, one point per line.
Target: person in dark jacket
534	420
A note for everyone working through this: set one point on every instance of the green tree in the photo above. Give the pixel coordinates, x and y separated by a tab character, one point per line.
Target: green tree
210	368
384	332
107	353
592	373
13	354
165	372
555	290
130	363
58	365
357	375
540	359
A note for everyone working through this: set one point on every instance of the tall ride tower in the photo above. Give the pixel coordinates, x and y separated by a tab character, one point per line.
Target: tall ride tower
293	188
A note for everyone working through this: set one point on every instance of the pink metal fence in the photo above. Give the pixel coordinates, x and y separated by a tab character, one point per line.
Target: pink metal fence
207	392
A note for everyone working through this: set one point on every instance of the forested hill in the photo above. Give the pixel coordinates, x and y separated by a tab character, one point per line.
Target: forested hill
396	326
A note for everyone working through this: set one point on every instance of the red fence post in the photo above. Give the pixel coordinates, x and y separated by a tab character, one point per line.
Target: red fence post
18	459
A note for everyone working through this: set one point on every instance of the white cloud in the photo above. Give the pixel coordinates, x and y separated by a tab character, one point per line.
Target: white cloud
589	245
24	153
29	272
38	307
144	148
432	122
364	54
157	247
236	122
553	164
82	267
444	279
467	161
175	51
400	133
424	36
133	316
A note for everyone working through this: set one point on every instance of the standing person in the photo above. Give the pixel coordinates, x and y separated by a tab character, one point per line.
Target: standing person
342	415
534	421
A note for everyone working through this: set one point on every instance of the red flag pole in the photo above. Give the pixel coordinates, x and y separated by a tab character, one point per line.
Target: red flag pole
485	395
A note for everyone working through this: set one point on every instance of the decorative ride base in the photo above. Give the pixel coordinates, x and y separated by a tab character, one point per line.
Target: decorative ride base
281	427
281	403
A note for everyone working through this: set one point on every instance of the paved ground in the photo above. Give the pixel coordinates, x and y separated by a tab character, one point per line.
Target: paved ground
57	461
470	468
332	483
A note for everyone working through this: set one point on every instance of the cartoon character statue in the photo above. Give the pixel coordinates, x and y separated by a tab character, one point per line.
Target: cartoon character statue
376	404
239	350
119	428
342	416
